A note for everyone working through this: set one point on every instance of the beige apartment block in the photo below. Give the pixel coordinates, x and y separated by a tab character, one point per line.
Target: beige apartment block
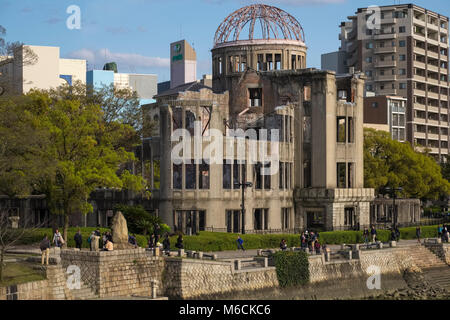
405	55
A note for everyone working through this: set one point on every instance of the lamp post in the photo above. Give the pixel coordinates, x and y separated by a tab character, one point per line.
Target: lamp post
243	185
393	193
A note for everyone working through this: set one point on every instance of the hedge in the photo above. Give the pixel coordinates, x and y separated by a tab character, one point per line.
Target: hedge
292	268
219	241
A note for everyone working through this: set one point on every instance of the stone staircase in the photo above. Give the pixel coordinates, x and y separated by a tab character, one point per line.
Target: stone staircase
424	258
434	269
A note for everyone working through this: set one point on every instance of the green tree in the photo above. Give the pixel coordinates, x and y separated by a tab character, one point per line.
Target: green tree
138	219
86	152
391	163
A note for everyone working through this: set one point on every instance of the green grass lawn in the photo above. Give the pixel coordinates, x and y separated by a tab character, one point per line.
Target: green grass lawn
20	272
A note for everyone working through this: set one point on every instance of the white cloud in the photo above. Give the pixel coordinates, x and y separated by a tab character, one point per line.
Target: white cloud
134	60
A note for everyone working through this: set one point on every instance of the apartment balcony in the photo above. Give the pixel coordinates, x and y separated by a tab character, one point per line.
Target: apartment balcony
444	137
432	26
432	68
385	64
433	109
432	41
385	50
388	21
419	64
444	71
385	36
433	95
432	54
419	78
419	50
433	81
419	36
419	92
436	150
386	78
444	97
433	136
419	22
419	106
387	92
419	135
433	122
420	120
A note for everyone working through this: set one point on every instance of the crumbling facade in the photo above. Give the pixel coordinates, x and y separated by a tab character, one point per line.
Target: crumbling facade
307	171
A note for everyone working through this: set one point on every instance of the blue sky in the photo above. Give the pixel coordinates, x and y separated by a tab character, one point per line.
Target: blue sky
137	33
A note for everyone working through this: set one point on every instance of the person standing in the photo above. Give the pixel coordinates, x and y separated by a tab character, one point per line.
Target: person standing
397	234
317	246
45	249
366	235
58	239
373	232
303	240
91	240
179	243
78	239
240	243
418	231
151	241
283	245
166	245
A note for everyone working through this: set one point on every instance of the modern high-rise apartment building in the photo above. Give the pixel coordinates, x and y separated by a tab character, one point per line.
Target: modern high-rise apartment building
403	51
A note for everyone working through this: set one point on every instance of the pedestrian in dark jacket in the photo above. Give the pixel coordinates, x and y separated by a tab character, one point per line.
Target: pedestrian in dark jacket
418	233
373	232
283	245
179	243
317	246
166	245
78	239
366	235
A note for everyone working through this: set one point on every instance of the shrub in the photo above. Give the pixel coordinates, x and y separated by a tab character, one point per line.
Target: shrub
292	268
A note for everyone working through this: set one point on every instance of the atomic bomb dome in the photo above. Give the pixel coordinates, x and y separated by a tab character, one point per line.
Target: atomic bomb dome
274	24
257	37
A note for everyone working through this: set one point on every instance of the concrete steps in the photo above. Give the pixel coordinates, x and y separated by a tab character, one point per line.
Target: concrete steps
424	258
439	276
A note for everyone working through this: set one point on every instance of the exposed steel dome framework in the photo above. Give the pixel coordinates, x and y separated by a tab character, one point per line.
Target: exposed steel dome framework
275	24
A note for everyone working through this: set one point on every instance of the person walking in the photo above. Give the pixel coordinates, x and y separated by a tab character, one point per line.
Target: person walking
151	241
78	239
91	240
397	234
373	232
366	235
440	229
179	243
240	243
418	231
58	239
303	240
166	245
45	249
283	245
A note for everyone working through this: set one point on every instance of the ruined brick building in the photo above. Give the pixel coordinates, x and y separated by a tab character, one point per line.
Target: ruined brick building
261	82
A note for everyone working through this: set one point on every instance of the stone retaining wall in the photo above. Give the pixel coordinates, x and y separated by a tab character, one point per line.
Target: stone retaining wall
189	278
442	250
52	288
116	273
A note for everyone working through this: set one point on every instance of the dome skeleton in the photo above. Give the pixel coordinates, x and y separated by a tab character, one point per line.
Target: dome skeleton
272	20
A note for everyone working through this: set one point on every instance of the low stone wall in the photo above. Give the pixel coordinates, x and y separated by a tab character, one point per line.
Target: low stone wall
390	261
36	290
52	288
116	273
189	278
